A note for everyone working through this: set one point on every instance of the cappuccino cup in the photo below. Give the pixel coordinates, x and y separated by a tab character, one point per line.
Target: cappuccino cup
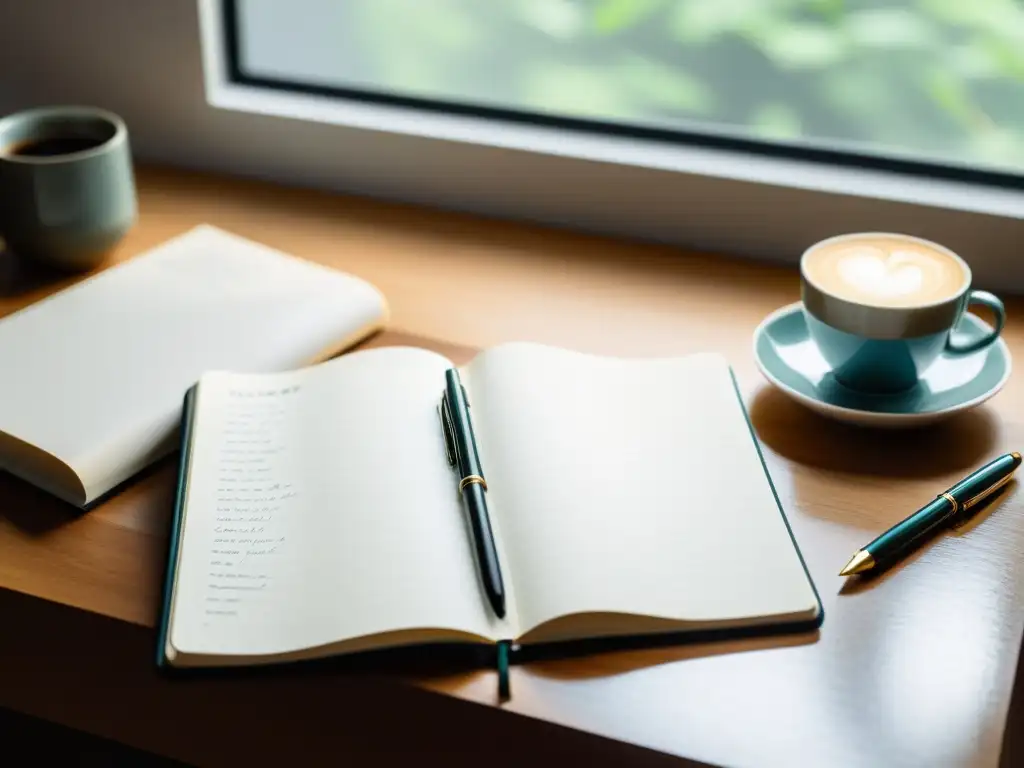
882	307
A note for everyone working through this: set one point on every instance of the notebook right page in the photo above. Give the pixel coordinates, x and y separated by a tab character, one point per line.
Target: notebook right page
630	488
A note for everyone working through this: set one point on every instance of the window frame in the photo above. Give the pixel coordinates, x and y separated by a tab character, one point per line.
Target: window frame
722	137
732	183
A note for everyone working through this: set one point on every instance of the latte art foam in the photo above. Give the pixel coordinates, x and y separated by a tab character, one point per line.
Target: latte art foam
884	272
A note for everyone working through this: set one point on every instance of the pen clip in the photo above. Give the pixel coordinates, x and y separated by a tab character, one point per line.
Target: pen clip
451	449
978	498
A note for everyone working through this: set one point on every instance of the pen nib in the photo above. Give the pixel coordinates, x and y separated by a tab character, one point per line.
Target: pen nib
860	562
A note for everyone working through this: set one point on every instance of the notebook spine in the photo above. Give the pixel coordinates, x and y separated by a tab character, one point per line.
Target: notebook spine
177	521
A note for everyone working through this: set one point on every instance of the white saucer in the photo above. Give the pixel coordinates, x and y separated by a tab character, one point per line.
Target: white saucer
789	359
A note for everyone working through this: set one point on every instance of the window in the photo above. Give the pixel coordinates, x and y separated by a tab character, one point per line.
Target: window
747	127
934	86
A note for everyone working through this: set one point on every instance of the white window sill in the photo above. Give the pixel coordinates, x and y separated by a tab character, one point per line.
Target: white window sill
614	149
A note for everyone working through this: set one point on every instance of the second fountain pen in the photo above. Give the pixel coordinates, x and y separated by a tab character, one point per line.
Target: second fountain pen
961	498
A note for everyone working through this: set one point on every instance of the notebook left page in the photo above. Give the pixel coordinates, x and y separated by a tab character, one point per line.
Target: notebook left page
320	516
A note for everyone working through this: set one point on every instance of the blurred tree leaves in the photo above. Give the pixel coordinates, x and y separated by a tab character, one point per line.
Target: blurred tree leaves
1008	57
938	78
579	90
557	18
1003	18
611	16
953	96
667	87
778	120
799	45
893	28
829	10
703	22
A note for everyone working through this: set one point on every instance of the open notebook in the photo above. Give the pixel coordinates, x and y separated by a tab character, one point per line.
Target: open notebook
317	513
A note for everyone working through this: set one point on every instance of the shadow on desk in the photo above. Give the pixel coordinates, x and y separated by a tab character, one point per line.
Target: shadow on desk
51	744
32	510
957	445
109	687
575	660
35	512
599	658
20	276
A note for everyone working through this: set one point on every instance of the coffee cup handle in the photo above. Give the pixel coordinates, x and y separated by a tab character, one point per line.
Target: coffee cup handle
984	299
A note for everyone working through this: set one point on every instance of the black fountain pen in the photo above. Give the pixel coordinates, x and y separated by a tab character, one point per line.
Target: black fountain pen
951	505
460	444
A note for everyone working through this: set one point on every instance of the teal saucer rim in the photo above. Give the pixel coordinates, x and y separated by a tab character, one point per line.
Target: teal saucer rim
797	306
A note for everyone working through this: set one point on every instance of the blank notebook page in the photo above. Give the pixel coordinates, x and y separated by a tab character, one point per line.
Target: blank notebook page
631	486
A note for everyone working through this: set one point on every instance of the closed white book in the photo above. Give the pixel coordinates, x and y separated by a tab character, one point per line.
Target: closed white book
93	377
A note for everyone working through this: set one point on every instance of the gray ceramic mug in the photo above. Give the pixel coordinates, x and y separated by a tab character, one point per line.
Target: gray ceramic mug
887	349
67	192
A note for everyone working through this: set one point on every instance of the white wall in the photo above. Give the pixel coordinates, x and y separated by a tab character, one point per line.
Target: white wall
142	59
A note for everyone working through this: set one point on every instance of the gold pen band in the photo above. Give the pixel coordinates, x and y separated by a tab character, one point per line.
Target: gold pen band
948	497
977	498
469	480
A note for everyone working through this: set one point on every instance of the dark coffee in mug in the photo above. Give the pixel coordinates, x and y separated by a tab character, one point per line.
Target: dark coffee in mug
67	192
52	147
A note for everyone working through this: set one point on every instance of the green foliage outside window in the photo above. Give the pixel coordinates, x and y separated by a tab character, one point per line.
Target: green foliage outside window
942	79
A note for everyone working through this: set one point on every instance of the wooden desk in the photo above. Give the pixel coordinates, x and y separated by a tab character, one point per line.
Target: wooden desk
915	669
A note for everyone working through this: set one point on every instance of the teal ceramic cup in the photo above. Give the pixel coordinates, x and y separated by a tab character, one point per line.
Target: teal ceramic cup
885	349
67	192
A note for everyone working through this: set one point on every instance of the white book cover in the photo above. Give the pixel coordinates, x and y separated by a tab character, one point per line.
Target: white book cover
93	377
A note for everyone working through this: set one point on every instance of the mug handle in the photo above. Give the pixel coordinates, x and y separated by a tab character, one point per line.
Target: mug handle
985	299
